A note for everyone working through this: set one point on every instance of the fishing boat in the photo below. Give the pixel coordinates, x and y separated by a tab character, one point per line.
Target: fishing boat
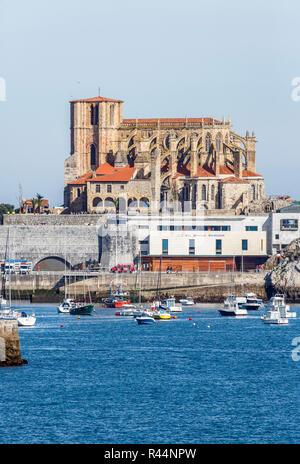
169	304
25	320
144	318
187	301
276	308
231	308
252	302
116	299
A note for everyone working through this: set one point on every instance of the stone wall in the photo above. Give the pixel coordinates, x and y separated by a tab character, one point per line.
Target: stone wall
76	244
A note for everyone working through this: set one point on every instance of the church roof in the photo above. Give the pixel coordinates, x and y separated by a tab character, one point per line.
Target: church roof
106	173
117	175
96	100
234	180
170	120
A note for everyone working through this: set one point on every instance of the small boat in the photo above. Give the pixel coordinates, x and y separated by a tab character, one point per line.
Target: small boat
66	305
169	304
3	301
128	310
162	315
252	302
145	318
231	308
277	308
82	309
25	320
187	302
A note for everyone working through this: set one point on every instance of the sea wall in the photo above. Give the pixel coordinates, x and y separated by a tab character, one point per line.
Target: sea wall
10	352
205	286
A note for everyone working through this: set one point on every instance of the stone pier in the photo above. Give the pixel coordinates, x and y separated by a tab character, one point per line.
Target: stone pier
10	352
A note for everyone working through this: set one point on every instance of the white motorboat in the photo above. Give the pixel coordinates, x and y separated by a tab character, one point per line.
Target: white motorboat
169	304
145	318
231	308
128	310
187	301
275	309
252	302
25	320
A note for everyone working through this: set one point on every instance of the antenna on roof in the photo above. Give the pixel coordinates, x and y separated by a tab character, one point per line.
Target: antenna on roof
99	91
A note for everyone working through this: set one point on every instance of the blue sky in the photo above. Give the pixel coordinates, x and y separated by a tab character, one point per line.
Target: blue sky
164	59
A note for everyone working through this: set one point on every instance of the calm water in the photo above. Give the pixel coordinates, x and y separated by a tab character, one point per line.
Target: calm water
104	379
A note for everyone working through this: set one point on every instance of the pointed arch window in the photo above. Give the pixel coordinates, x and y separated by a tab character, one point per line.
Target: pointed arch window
111	115
93	156
94	115
253	191
203	192
218	142
212	193
207	142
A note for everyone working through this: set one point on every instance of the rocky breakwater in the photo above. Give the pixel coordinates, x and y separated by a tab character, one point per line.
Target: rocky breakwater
284	272
10	352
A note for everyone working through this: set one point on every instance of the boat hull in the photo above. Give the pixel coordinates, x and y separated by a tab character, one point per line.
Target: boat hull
84	310
231	313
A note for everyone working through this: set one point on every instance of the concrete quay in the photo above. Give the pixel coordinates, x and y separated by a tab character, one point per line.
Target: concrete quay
207	287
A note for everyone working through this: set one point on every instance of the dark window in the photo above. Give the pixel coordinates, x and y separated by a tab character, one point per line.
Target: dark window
165	246
98	188
245	245
109	189
251	228
218	247
191	247
277	236
93	155
289	224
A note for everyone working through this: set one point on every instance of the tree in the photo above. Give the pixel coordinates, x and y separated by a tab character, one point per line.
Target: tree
34	205
39	202
4	209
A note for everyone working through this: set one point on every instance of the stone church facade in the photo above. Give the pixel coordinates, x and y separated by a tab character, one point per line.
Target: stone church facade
140	163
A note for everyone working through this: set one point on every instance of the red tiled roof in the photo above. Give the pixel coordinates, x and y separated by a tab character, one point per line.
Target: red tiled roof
81	180
203	171
44	202
104	168
118	175
166	120
226	170
234	180
106	173
247	173
96	99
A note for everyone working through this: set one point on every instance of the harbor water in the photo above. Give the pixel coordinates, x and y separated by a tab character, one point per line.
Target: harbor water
199	378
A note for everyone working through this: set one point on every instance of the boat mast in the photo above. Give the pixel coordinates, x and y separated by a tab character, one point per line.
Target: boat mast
8	254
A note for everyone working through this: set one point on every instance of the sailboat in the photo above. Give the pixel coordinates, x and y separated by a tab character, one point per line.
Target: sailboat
145	317
82	308
232	305
22	318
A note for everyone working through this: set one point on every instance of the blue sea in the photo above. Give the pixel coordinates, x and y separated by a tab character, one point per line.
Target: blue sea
105	379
